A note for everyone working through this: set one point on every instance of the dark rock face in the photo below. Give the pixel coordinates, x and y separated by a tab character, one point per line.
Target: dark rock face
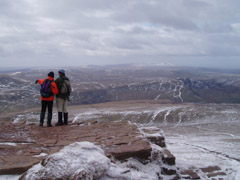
168	171
158	140
168	158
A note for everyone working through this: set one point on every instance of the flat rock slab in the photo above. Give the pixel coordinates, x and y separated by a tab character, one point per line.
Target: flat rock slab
189	174
22	146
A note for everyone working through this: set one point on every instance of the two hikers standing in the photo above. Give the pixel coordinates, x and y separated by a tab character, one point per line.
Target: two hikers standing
62	89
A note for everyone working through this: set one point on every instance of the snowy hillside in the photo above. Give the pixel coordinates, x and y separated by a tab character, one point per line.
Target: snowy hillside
120	83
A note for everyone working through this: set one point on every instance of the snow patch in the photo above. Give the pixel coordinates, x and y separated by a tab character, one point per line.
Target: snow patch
15	73
12	144
9	144
41	155
31	118
9	177
76	161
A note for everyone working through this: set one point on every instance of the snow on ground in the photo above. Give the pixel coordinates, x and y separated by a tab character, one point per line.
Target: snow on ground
202	145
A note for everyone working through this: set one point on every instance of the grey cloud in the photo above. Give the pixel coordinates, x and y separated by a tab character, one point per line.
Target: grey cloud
160	13
107	30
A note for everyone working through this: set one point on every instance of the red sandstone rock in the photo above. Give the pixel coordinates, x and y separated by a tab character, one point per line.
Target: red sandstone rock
17	164
189	174
140	149
210	169
216	174
118	139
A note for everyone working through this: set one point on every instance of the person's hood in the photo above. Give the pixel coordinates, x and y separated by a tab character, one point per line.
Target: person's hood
50	78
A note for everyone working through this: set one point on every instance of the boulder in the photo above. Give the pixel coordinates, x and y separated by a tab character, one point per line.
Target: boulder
80	160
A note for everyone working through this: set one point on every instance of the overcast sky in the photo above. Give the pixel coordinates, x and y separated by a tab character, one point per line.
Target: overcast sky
80	32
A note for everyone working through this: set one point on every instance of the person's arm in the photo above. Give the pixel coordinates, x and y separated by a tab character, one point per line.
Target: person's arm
40	81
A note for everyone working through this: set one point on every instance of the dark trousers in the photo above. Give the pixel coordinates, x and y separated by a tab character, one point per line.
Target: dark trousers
47	104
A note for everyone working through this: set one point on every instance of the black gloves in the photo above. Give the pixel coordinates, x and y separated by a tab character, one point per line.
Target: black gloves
36	81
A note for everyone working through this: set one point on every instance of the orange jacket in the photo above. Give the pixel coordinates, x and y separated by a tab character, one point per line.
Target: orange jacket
54	88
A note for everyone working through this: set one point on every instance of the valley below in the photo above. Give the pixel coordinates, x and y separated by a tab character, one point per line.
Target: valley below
98	84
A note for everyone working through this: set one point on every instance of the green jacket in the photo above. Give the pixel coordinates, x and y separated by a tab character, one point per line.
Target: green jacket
59	81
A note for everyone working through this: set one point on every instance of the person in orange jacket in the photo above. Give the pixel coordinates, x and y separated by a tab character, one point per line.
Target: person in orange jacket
47	101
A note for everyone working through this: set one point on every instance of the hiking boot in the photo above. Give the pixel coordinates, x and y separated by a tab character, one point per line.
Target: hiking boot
49	125
65	118
59	123
40	124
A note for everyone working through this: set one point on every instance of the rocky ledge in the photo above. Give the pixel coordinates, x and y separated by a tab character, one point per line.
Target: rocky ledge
22	146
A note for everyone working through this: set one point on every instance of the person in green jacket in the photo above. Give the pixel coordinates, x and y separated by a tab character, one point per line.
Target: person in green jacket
64	87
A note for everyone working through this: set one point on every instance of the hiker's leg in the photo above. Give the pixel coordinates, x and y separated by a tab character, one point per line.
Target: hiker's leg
50	106
60	121
59	103
42	114
65	118
65	106
65	112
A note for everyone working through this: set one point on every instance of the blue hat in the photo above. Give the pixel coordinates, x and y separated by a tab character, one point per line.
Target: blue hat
61	71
